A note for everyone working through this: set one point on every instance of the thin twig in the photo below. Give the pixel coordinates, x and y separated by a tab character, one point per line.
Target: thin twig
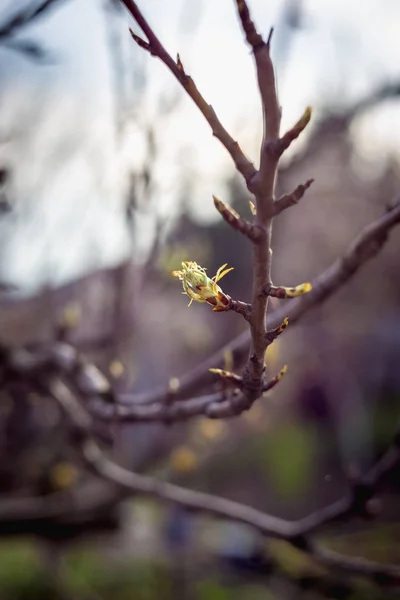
236	221
291	199
155	47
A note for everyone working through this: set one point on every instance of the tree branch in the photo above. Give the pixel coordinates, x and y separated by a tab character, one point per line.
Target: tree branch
367	244
293	532
291	199
154	46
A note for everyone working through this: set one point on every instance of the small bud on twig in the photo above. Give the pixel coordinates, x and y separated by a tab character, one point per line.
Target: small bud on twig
274	333
288	292
284	142
228	376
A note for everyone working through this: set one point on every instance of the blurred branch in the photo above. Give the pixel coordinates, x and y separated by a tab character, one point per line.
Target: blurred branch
24	18
36	514
154	46
385	92
356	503
58	375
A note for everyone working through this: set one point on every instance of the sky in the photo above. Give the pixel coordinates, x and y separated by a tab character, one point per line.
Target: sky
71	127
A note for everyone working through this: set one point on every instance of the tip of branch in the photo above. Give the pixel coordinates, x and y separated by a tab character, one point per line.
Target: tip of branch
252	208
253	38
284	142
305	119
179	64
271	32
272	383
219	205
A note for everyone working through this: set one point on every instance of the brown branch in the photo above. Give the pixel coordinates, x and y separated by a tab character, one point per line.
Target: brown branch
155	47
291	199
236	221
219	405
293	532
263	188
242	308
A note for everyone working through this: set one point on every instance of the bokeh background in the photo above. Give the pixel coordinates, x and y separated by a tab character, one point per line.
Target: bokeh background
107	172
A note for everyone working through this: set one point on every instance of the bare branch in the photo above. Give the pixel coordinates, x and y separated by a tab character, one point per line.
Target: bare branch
236	221
380	573
293	532
219	405
242	308
154	46
293	133
291	199
263	188
253	38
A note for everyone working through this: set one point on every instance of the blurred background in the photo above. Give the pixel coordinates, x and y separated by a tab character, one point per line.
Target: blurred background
107	172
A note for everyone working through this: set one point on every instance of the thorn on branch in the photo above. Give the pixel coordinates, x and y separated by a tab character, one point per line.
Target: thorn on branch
288	292
293	198
236	221
253	38
284	142
274	333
